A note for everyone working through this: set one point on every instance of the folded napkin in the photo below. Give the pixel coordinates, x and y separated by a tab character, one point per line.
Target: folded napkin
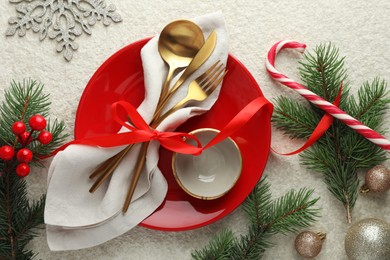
78	219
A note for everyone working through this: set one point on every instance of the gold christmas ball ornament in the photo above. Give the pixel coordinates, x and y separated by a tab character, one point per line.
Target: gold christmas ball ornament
309	244
368	239
377	179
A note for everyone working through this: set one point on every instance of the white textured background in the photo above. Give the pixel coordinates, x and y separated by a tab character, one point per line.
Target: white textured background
359	28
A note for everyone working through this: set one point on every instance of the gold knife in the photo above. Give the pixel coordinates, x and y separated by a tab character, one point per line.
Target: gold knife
203	54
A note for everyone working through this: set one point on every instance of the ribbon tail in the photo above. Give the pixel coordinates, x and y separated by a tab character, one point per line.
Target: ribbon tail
324	124
239	120
178	145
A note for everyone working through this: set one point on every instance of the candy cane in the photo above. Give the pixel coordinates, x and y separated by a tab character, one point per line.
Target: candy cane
328	107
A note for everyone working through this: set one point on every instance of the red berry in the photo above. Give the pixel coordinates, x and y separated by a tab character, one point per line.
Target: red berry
37	122
22	170
24	136
45	137
18	128
24	155
7	152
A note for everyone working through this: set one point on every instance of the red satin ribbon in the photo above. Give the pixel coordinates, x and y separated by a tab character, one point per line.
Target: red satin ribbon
242	117
140	131
325	122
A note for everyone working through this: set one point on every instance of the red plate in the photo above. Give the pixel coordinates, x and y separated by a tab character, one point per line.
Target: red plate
121	78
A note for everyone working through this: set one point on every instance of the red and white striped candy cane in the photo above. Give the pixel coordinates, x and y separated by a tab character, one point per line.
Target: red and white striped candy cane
328	107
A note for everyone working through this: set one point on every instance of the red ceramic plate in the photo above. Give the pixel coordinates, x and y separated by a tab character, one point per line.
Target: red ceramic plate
121	78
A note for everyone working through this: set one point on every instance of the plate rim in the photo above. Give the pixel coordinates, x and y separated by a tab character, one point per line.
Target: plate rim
258	92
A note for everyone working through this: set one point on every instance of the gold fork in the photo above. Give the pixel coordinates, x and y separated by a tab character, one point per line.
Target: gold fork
198	90
107	168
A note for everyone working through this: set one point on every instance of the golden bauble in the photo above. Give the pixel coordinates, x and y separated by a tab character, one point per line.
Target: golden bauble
368	239
309	244
378	179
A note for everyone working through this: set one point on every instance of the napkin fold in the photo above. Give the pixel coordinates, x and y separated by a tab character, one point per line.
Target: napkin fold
78	219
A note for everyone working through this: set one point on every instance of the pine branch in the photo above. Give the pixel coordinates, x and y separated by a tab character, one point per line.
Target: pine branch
31	222
258	203
341	152
253	245
323	72
19	217
218	248
293	211
287	214
22	101
299	122
372	102
56	128
14	192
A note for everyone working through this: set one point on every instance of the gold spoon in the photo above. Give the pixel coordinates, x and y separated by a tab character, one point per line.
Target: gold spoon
178	44
199	90
202	55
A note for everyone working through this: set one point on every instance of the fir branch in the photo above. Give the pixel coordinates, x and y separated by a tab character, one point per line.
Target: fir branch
268	217
372	102
323	72
20	218
341	152
218	248
22	100
298	122
31	221
258	203
56	128
252	245
293	211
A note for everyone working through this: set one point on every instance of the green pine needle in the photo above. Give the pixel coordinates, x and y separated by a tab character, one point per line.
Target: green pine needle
298	122
56	128
323	72
252	245
20	218
218	248
268	217
293	211
340	152
258	203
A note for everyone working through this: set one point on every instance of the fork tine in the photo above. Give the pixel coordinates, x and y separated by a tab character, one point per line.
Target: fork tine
212	77
209	75
204	75
215	83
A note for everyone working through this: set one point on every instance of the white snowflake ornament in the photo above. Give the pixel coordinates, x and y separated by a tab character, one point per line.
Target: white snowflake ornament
63	20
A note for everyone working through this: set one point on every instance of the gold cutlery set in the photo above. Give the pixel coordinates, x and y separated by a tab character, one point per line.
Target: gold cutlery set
181	45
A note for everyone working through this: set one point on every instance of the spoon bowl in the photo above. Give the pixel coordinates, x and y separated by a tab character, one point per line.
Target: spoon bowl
178	44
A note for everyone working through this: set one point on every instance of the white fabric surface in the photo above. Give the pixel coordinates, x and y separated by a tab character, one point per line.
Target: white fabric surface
359	29
78	219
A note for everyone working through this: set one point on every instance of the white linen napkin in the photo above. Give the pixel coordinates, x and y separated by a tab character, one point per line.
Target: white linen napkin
78	219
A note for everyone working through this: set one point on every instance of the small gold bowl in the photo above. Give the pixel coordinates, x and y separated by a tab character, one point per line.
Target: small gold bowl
213	173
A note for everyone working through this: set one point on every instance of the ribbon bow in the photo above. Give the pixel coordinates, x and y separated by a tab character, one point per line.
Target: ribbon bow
140	131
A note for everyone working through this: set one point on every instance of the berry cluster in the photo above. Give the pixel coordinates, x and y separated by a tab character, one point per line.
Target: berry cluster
24	155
